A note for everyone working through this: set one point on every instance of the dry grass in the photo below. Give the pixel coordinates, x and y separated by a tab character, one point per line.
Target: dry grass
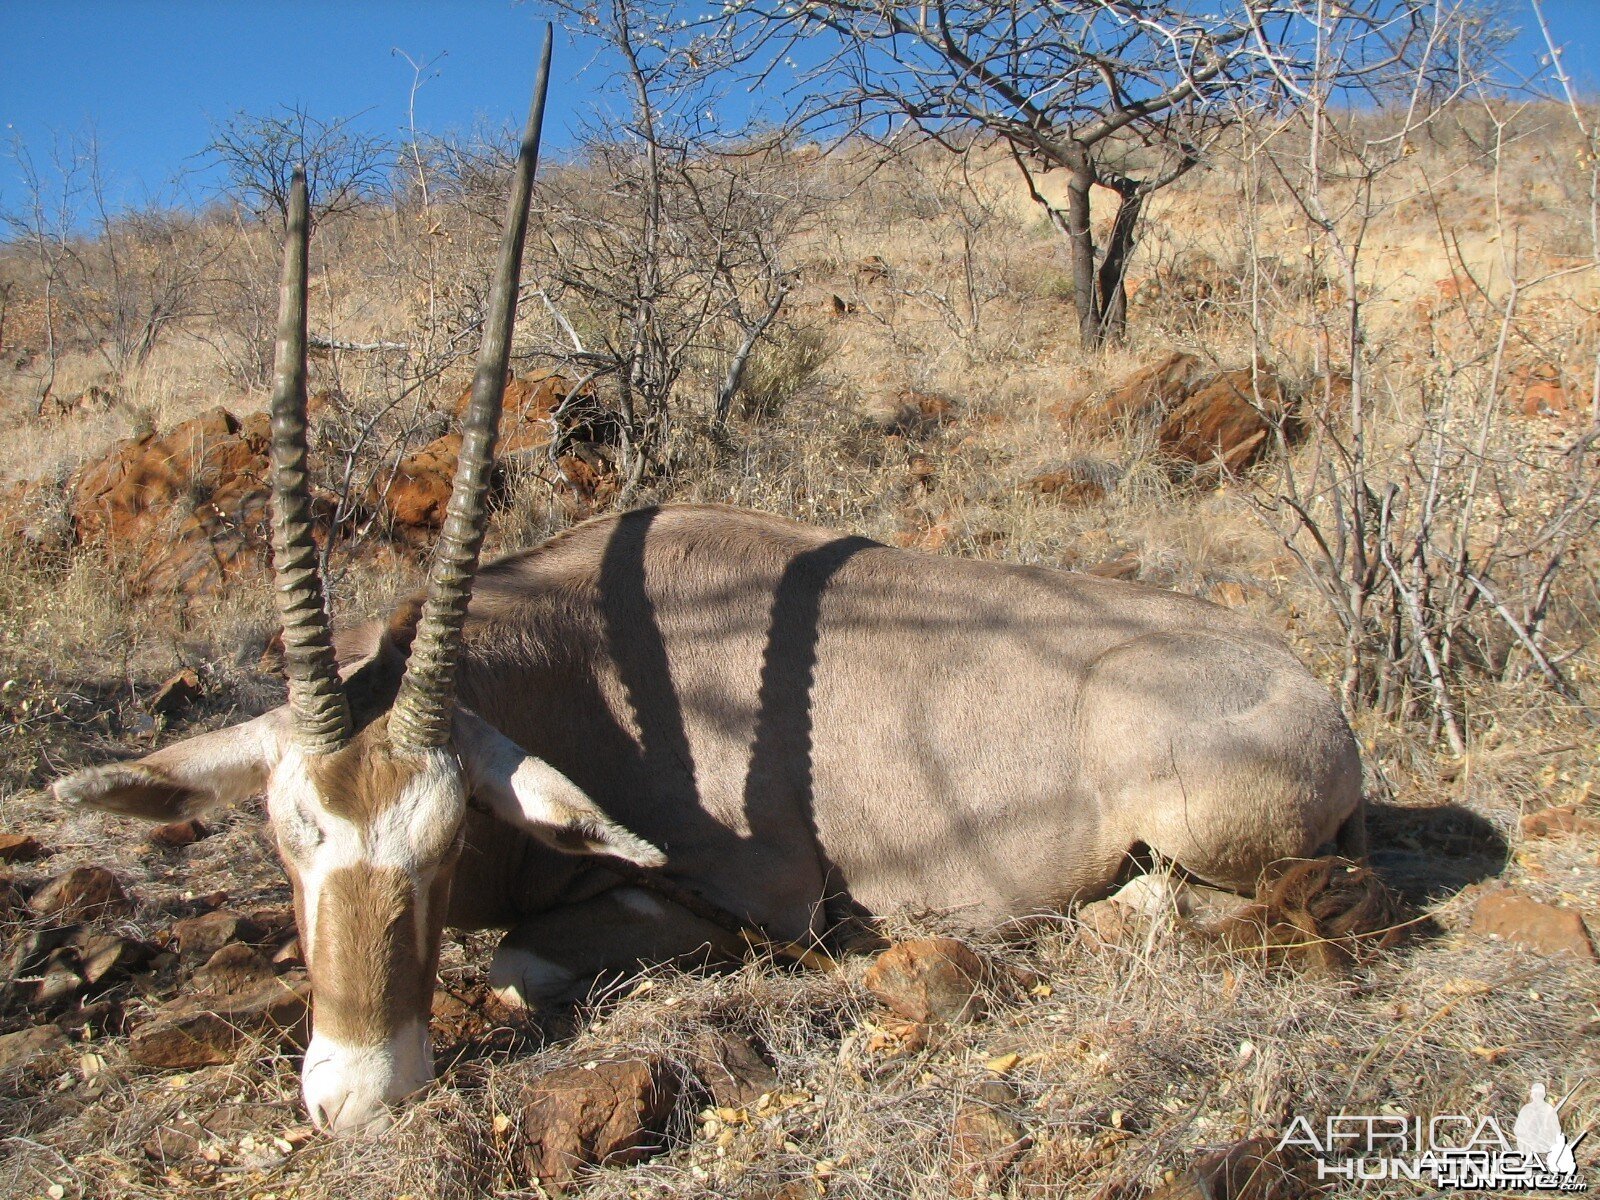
1131	1058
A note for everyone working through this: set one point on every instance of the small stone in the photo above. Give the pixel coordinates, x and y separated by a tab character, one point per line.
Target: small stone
204	935
170	1143
1253	1169
19	847
730	1067
188	1034
177	834
20	1048
82	893
105	958
288	954
930	979
176	695
616	1112
233	970
985	1143
59	980
1125	566
1546	928
1107	923
1549	822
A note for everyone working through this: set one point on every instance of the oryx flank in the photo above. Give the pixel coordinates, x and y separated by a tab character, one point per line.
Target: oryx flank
784	721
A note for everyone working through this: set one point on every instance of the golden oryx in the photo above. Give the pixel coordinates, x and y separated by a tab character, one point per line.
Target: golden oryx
783	720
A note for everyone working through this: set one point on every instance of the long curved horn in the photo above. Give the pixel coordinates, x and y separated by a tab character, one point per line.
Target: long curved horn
420	718
320	714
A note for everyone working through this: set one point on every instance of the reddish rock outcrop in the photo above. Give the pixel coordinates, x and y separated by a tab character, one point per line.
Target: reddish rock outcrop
1549	822
1253	1169
930	979
1546	928
985	1142
81	894
186	510
1209	420
19	847
1226	421
598	1113
414	499
198	1032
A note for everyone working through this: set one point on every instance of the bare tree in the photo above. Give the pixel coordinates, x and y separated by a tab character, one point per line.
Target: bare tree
345	168
114	280
664	240
1122	94
1437	536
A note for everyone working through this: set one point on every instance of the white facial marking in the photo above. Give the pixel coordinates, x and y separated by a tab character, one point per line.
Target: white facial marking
348	1089
412	834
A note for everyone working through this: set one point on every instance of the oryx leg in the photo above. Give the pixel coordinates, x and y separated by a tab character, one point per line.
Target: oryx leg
556	955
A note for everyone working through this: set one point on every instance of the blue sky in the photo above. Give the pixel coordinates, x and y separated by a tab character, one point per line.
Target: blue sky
148	77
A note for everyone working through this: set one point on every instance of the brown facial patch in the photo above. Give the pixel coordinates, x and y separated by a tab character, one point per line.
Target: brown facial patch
362	779
367	976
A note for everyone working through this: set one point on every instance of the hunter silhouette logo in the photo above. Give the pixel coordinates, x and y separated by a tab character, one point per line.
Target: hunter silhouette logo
1539	1136
1449	1150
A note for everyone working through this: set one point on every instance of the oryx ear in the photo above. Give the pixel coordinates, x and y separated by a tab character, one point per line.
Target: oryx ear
531	794
186	778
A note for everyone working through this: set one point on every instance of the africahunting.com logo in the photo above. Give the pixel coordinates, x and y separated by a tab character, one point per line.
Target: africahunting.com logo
1454	1151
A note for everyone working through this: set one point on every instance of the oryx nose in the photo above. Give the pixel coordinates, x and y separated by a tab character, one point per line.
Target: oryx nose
351	1116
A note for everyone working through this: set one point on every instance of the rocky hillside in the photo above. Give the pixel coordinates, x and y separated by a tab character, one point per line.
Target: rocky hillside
921	386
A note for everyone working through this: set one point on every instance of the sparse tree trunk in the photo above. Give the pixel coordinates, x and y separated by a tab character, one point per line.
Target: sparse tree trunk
1080	236
1111	316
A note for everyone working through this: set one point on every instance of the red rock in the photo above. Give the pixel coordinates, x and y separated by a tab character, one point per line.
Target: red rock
186	510
190	1032
289	954
604	1113
177	834
1253	1169
985	1142
82	893
1226	422
19	847
1152	390
1222	420
1541	390
415	497
1503	913
204	935
731	1069
1564	819
1124	566
929	979
1107	923
417	493
59	980
176	695
19	1049
1068	487
105	958
234	970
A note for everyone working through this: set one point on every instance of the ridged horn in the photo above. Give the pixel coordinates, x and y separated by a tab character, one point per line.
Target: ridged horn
420	718
319	712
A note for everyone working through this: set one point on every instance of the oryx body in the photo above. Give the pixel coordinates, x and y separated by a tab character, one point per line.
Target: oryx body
801	719
779	719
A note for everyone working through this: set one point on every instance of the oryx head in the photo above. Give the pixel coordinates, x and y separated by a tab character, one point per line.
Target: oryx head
368	801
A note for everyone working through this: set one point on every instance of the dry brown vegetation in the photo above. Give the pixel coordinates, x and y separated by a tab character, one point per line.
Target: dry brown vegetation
921	386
